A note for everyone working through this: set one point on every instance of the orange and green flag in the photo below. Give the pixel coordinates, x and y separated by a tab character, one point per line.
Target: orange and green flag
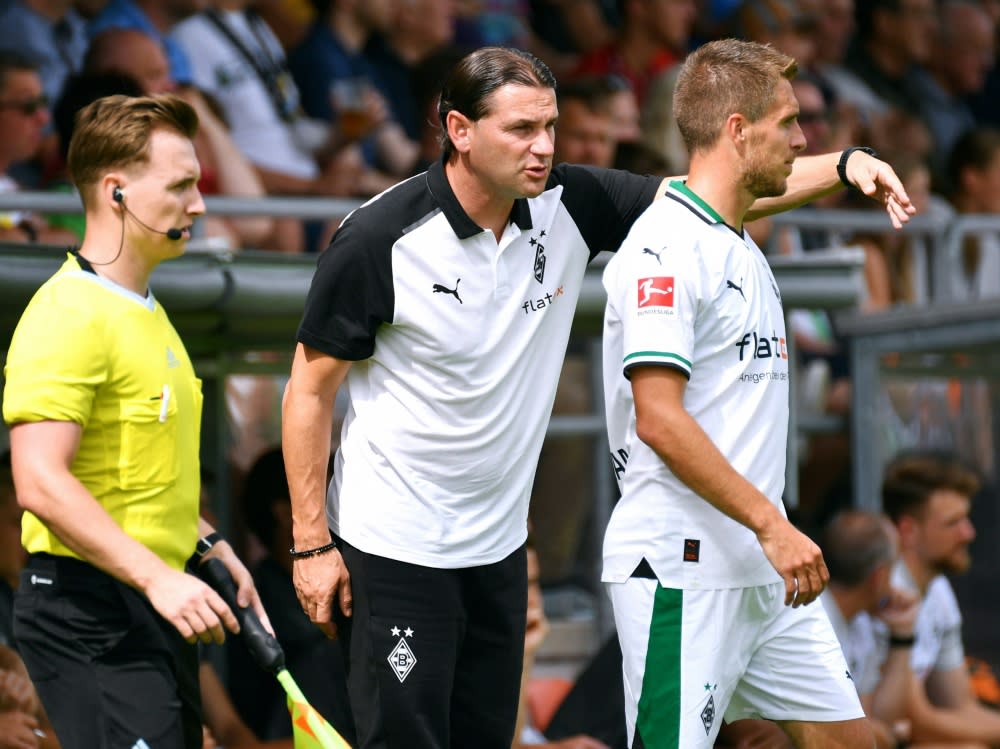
309	729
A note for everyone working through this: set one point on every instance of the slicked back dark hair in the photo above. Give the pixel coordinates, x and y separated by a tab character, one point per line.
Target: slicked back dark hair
472	82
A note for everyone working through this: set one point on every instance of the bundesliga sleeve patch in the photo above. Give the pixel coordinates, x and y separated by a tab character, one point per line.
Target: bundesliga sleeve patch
657	291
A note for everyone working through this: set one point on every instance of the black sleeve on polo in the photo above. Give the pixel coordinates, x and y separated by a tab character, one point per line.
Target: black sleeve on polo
351	293
604	203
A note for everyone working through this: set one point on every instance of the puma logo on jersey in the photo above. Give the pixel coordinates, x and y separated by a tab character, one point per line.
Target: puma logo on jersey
647	251
439	289
731	285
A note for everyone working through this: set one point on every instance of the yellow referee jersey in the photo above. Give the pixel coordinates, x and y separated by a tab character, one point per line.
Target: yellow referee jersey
90	351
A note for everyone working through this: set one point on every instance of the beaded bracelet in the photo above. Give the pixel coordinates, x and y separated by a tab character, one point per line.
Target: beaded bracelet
312	552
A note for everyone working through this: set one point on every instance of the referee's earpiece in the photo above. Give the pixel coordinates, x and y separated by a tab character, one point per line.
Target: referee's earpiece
118	195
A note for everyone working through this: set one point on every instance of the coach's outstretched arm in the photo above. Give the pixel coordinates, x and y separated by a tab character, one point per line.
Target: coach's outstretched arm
306	423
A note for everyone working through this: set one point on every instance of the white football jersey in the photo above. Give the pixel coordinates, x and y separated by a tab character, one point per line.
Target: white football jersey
688	291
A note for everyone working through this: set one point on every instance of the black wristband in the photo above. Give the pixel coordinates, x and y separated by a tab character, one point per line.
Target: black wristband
312	552
895	641
204	545
842	164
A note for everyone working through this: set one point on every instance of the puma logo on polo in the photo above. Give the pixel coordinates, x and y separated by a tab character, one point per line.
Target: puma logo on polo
439	289
731	285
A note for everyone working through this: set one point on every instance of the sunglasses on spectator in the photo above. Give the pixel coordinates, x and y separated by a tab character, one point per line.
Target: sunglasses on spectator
27	107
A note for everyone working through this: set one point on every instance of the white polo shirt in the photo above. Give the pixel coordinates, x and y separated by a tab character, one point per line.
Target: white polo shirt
457	342
690	292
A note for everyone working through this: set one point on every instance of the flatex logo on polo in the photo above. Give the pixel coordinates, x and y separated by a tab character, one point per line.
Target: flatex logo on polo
172	361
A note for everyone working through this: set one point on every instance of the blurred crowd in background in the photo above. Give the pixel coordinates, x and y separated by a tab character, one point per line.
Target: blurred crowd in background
338	97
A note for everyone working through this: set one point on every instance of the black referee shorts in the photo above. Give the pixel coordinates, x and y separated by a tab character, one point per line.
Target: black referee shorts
110	671
434	655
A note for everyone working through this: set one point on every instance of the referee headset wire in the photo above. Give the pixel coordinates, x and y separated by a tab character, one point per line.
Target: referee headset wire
119	197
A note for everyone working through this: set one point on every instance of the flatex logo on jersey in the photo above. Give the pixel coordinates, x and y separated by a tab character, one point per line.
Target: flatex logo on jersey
656	295
755	346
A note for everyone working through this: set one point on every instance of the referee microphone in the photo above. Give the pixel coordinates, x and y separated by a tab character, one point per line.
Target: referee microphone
172	234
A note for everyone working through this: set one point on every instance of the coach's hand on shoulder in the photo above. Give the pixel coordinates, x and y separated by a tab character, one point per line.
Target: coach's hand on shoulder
319	581
797	559
197	611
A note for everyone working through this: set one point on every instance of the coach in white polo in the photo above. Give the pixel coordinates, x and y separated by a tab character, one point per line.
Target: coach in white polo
443	306
707	577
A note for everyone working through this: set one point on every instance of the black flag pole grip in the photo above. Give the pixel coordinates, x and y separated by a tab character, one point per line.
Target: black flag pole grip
265	650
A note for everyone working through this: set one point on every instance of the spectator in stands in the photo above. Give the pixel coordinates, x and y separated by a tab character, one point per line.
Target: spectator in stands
156	18
238	61
49	31
784	24
288	19
338	84
928	495
224	169
973	175
860	549
421	29
625	113
657	123
585	129
832	33
78	91
654	36
24	115
963	55
894	38
316	661
574	27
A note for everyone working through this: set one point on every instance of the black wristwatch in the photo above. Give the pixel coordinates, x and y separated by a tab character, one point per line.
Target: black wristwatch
842	164
204	545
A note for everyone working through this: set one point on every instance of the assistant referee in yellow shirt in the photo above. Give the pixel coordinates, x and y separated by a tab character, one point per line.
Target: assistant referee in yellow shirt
105	416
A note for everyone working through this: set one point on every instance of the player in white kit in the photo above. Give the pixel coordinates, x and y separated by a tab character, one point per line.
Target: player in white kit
708	579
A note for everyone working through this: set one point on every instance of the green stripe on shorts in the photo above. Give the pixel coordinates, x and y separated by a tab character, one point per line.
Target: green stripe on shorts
659	713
